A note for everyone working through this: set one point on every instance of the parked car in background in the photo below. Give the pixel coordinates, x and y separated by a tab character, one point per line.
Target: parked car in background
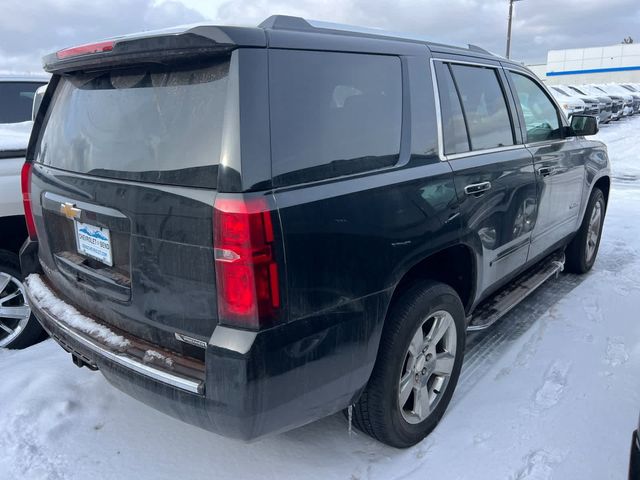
568	104
265	226
619	88
633	88
591	104
600	104
617	107
628	99
18	328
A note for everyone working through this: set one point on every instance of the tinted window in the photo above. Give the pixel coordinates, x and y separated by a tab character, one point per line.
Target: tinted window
333	114
16	101
454	129
540	114
484	107
151	124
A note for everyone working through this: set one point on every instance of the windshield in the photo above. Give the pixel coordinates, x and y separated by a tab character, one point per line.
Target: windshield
577	90
16	100
152	124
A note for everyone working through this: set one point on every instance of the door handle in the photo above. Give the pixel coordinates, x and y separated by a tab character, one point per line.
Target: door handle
476	188
546	171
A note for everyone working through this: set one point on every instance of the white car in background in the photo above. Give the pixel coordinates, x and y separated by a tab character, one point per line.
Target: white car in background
18	328
614	87
568	104
599	105
628	99
606	103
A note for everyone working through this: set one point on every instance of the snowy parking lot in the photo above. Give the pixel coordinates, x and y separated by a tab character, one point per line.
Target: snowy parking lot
551	391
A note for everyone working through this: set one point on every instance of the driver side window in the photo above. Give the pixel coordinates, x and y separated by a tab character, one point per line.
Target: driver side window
540	115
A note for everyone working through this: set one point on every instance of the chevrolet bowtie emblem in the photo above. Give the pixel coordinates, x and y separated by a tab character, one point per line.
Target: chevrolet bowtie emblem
69	210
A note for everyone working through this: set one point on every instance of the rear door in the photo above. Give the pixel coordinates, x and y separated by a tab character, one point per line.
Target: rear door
124	179
493	171
559	163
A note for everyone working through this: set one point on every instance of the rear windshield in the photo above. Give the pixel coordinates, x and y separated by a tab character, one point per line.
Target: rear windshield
16	101
158	124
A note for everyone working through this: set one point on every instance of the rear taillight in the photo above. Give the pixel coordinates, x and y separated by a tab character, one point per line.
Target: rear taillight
25	181
246	268
99	47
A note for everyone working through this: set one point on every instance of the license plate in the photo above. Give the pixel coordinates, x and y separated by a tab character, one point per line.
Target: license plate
94	242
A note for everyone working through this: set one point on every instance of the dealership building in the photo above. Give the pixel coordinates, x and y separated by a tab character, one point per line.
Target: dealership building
616	63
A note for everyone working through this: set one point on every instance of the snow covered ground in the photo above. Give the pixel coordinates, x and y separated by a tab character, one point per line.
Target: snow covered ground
552	391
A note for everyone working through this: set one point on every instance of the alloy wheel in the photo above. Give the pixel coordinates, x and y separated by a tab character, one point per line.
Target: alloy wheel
593	232
427	367
14	309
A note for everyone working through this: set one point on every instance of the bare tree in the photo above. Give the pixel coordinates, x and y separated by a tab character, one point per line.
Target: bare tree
627	40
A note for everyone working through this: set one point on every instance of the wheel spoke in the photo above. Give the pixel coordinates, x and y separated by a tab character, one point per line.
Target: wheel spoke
444	364
440	327
9	297
421	403
406	386
417	342
15	312
5	328
4	281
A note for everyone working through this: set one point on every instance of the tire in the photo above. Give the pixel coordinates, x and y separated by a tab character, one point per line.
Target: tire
581	253
30	331
380	412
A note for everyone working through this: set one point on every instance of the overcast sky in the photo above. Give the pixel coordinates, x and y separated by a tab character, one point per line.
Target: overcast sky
32	28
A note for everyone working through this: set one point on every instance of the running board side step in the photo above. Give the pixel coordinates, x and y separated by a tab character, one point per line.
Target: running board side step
495	307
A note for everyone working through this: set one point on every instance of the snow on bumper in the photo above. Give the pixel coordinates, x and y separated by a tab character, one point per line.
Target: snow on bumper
257	383
94	342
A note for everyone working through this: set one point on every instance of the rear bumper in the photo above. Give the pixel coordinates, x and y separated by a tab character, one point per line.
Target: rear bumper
89	350
250	385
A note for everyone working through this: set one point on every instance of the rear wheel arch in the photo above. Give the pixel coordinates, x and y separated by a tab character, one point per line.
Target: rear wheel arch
454	266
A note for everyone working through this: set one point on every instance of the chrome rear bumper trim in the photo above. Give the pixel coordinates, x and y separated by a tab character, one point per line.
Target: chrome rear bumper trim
187	384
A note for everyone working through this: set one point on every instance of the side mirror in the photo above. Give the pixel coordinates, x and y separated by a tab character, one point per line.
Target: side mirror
37	100
583	125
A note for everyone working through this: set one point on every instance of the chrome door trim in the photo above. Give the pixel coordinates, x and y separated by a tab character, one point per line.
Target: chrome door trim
484	152
436	94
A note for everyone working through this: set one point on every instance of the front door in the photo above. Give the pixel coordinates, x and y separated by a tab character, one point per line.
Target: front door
493	171
558	162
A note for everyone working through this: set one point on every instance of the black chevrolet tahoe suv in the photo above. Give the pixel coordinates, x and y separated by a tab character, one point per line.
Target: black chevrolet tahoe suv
253	228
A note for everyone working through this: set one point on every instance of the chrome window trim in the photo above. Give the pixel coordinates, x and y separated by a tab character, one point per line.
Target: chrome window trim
548	143
466	62
436	94
485	151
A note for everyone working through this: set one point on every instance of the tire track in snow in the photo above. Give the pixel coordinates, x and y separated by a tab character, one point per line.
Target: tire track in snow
484	347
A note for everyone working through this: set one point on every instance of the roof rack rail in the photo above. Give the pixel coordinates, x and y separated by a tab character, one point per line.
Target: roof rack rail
287	22
476	48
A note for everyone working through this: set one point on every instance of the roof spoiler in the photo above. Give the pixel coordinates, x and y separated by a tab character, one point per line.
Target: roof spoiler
162	46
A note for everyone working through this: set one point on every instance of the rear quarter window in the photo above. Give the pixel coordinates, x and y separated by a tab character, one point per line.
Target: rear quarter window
333	114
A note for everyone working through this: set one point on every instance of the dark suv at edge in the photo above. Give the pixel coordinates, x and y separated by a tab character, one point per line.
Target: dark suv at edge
253	228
